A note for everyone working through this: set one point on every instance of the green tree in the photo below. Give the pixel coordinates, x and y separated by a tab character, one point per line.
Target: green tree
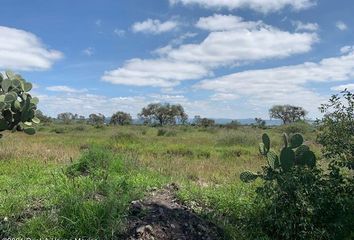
287	113
163	114
42	117
337	129
121	118
66	117
96	119
17	106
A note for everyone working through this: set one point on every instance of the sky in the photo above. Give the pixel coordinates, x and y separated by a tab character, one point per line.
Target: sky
217	58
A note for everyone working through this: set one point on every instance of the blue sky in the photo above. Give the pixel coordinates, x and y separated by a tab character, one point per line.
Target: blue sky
221	59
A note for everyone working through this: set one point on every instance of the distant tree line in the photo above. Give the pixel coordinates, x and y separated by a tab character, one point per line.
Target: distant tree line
160	114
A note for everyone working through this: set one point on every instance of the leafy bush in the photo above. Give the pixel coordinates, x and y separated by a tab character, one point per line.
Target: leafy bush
300	200
59	130
296	127
337	129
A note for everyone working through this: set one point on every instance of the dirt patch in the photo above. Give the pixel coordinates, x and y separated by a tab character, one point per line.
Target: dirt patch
161	216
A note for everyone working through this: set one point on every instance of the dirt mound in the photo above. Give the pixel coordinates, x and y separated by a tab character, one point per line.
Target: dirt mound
161	216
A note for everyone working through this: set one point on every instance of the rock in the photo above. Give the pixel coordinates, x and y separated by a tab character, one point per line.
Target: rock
144	229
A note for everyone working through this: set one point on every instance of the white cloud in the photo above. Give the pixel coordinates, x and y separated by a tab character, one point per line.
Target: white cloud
263	6
119	32
245	42
300	26
219	22
66	89
349	87
154	26
249	41
224	97
154	72
88	51
21	50
341	26
284	84
347	49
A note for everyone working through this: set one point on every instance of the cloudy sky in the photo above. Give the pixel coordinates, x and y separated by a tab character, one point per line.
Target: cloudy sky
218	58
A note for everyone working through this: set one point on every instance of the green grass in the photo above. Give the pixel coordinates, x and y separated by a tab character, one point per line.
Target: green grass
79	182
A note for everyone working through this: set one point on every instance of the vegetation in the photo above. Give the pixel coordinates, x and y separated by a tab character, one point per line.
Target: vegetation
73	179
17	106
121	118
96	119
287	113
163	114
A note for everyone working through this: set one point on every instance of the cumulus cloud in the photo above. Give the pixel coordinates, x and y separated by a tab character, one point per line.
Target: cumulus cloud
219	22
263	6
66	89
341	26
300	26
224	46
154	26
284	84
154	72
245	41
21	50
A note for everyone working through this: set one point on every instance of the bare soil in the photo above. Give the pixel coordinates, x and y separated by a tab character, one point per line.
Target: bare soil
161	216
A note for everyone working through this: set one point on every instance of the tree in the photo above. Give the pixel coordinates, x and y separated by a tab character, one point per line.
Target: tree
203	122
260	122
121	118
17	106
96	119
66	117
337	129
43	118
287	113
163	114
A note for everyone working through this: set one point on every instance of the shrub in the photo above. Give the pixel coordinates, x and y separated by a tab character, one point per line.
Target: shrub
124	137
59	130
296	127
301	201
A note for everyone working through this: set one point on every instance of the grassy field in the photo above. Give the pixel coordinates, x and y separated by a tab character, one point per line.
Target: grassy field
78	180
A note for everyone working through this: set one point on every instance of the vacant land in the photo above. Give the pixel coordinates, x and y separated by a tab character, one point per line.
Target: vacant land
80	181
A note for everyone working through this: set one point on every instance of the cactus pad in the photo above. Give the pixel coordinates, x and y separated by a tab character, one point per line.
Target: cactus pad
296	140
287	158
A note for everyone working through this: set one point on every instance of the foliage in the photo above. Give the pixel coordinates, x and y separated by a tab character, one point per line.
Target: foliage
43	118
296	127
260	123
234	124
337	129
121	118
66	117
301	201
287	113
163	114
203	122
96	119
17	107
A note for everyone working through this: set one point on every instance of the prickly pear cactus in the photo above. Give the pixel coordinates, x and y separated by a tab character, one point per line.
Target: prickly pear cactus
17	106
293	153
